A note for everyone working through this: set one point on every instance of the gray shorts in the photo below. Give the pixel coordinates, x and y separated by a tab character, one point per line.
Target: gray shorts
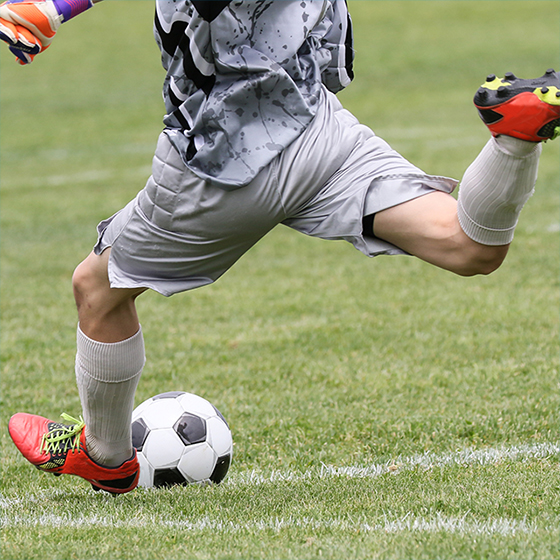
181	232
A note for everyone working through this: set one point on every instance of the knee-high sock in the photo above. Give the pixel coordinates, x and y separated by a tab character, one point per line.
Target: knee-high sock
107	376
495	188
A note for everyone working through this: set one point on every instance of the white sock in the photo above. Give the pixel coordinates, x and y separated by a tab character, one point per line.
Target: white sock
495	188
107	376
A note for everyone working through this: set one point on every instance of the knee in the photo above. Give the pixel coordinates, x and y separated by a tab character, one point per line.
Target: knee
480	259
80	281
90	278
467	257
95	298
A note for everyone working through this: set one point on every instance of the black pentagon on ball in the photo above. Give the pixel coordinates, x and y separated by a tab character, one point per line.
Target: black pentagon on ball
168	395
221	469
139	434
168	477
191	429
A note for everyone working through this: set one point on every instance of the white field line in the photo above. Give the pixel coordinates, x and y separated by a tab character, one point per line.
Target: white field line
14	514
466	525
425	461
461	458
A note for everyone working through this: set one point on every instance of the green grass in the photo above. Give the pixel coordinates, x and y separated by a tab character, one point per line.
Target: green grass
380	408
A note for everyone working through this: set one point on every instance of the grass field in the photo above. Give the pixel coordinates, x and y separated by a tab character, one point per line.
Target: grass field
380	408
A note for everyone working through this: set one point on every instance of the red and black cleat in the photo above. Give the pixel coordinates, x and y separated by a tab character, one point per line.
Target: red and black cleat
525	109
61	449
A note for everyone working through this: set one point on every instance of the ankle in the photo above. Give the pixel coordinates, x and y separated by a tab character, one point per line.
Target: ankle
108	454
515	146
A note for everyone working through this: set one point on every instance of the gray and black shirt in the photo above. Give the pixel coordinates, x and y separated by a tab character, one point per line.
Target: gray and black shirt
244	77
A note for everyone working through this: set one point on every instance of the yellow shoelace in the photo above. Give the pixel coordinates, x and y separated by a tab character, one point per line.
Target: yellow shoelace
63	438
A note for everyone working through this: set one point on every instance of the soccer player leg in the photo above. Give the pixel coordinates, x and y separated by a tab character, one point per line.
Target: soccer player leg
473	235
428	228
109	359
97	447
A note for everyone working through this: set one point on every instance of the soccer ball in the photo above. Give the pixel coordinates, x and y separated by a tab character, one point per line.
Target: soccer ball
180	438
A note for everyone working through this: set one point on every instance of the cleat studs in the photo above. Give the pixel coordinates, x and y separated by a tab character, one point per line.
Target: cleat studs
510	76
549	71
482	93
558	94
502	91
490	77
544	90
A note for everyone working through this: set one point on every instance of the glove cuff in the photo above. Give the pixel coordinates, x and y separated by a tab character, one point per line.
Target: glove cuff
71	8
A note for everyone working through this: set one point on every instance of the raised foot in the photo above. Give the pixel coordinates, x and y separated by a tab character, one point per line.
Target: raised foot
525	109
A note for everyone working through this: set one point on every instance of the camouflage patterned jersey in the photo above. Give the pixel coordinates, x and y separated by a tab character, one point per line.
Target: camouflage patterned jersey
244	77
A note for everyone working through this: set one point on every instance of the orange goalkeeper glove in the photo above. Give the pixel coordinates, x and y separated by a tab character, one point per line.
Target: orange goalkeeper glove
29	26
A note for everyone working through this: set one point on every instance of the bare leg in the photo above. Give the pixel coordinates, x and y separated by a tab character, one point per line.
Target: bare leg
427	227
106	314
471	236
109	359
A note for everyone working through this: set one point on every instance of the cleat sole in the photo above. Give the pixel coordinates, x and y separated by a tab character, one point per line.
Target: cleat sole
495	91
525	109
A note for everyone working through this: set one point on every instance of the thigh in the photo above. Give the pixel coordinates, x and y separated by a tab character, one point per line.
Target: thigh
368	177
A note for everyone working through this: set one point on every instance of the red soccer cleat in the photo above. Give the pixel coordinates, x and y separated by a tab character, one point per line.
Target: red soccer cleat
525	109
61	449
